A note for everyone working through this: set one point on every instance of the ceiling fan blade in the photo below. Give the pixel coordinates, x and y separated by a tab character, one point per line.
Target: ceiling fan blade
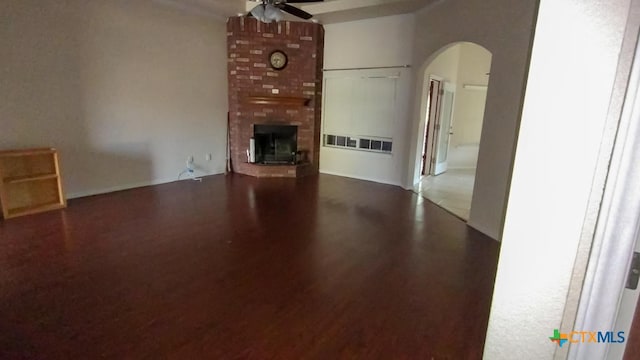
295	11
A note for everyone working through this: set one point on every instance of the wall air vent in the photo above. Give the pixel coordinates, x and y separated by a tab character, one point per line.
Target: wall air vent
366	143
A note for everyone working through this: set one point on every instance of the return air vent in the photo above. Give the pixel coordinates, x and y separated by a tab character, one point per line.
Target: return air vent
384	145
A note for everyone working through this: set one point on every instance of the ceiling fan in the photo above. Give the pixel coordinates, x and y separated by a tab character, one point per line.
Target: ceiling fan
271	10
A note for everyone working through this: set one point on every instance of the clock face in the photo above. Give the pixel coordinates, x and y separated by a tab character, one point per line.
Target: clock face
278	60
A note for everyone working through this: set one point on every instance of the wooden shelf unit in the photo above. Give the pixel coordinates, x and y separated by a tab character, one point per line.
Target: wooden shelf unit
30	182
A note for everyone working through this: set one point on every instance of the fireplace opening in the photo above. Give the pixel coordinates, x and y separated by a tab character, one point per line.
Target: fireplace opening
275	144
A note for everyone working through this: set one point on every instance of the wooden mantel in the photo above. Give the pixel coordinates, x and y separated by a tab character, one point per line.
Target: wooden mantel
278	100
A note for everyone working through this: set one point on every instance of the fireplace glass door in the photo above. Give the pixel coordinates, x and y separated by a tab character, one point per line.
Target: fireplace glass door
275	144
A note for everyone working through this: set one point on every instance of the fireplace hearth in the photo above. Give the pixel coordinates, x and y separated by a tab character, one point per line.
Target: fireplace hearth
275	144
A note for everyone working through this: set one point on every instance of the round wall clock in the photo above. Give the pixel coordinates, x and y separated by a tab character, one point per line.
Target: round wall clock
278	60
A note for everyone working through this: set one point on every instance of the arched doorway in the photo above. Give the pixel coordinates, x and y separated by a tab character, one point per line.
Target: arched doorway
454	95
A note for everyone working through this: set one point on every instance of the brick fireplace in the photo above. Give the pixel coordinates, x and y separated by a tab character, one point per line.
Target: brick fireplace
276	113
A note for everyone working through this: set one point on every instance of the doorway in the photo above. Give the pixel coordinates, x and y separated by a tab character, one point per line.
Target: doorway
443	130
455	88
433	111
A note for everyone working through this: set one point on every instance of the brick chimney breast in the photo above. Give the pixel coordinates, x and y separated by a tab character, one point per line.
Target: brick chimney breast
262	95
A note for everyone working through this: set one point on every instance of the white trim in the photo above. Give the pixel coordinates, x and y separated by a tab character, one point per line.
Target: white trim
461	168
362	178
616	231
128	186
426	142
485	230
440	167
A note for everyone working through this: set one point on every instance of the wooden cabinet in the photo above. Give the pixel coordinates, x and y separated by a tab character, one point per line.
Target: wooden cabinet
30	182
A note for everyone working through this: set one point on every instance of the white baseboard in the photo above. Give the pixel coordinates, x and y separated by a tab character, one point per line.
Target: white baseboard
484	230
461	168
361	178
80	194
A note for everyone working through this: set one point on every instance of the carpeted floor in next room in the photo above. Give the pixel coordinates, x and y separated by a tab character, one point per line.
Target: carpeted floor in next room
243	268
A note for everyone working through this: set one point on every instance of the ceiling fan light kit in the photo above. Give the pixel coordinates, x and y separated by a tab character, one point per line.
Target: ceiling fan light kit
272	10
267	13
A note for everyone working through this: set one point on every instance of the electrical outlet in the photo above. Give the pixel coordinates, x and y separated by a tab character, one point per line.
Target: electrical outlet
208	157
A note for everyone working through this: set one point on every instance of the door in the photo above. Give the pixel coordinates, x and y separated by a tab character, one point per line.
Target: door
443	130
432	113
628	237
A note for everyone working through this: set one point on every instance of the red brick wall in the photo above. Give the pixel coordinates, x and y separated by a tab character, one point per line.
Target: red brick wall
249	43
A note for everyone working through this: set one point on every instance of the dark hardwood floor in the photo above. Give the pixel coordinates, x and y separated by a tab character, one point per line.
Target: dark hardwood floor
632	345
241	268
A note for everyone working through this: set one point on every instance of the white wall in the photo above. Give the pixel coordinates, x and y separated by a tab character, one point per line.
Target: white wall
474	64
504	28
126	90
445	65
468	112
384	41
375	42
553	176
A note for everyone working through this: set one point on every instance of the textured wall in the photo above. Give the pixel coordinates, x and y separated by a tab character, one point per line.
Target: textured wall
125	90
504	28
378	42
566	108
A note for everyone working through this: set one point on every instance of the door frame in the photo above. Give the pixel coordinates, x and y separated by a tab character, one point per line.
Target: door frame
616	234
450	87
426	164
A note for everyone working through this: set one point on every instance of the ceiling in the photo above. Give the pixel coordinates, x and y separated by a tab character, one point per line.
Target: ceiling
329	11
